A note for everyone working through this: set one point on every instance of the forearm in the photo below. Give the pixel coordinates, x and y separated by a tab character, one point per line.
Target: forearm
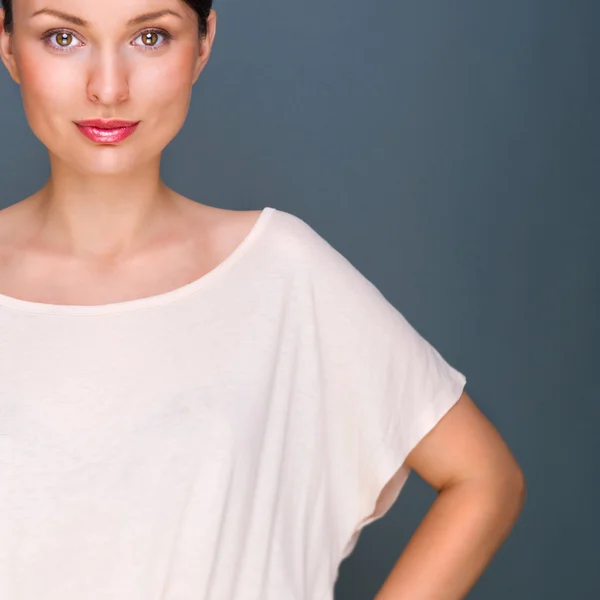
455	541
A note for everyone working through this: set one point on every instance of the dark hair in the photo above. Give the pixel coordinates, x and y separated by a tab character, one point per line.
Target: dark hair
202	8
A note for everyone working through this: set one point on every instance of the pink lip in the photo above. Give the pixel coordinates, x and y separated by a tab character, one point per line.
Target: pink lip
107	132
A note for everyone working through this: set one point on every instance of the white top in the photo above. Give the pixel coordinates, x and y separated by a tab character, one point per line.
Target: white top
226	440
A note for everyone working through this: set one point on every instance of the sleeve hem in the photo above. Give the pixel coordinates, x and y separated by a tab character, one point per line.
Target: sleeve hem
396	469
429	418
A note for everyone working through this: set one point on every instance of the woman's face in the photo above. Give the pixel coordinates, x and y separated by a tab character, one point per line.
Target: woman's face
97	62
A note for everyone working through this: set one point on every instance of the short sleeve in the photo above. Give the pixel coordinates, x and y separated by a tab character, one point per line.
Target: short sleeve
384	388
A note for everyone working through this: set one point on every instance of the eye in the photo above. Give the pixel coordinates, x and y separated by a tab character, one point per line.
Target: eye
151	37
60	40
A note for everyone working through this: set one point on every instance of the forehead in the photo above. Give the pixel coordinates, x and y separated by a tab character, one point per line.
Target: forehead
104	12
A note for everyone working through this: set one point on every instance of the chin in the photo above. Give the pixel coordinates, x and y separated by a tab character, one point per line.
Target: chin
108	160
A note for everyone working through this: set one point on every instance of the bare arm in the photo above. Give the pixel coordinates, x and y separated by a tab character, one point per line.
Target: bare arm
481	493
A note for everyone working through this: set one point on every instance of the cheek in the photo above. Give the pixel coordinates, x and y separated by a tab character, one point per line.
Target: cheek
163	88
48	89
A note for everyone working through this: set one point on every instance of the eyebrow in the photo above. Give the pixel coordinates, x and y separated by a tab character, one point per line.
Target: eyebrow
83	23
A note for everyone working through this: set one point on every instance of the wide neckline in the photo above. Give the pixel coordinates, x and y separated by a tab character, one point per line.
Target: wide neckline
147	301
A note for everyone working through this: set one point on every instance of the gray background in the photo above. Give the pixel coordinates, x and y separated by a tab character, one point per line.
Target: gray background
450	151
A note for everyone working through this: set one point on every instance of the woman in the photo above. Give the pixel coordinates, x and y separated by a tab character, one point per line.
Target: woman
198	403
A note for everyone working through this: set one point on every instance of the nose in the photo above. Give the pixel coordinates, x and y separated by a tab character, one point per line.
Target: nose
108	79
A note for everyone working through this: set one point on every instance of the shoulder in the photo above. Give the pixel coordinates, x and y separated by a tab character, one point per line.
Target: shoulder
12	214
285	233
15	224
284	237
217	230
297	239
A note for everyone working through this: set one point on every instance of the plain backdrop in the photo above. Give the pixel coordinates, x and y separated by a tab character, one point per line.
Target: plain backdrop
450	150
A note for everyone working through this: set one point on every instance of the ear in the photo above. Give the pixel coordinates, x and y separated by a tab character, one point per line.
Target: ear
205	45
6	51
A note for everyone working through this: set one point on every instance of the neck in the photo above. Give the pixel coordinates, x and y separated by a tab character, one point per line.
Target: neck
101	215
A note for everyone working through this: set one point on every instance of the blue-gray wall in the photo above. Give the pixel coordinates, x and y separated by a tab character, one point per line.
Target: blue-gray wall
450	150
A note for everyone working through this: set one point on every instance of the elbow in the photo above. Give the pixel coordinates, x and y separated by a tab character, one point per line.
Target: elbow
512	494
520	487
505	488
510	489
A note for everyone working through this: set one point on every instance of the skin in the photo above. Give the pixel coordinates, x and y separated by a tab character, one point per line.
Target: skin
109	229
481	492
105	225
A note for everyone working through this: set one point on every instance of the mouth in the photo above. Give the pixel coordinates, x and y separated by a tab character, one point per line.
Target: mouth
107	132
